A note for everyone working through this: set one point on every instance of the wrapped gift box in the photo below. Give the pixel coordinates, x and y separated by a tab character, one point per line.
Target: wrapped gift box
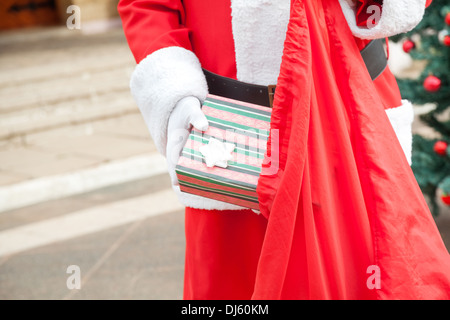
224	162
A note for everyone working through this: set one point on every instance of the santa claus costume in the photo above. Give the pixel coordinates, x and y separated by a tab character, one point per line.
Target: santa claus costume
344	202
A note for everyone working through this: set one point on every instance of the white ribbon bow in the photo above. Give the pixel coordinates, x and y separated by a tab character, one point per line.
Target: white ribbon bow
217	153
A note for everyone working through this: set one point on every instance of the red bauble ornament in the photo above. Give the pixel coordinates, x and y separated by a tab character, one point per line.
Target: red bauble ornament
408	45
445	199
447	41
428	2
432	83
440	147
447	19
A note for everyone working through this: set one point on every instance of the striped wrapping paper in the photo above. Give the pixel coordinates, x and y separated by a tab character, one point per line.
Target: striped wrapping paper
247	127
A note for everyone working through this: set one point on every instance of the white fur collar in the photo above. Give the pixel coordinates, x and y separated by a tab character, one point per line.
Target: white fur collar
398	16
259	31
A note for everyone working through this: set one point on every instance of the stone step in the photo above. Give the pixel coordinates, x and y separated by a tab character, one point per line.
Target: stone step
64	56
77	110
51	91
56	77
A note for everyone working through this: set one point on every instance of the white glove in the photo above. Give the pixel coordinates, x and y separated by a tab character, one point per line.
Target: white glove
187	113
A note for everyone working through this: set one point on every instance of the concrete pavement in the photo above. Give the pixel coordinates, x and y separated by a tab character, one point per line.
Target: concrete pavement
66	107
81	183
126	244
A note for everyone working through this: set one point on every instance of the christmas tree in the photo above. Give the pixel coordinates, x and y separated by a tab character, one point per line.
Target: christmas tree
430	41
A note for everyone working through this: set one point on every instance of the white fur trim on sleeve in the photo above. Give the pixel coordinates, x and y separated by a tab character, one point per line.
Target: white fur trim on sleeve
398	16
401	119
160	81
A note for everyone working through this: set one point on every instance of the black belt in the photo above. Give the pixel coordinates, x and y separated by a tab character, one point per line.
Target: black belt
373	55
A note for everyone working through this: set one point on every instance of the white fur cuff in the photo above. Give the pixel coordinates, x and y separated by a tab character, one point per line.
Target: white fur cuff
398	16
160	81
197	202
401	119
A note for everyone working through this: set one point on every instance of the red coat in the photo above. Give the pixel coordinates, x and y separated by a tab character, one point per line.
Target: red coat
206	29
240	39
343	218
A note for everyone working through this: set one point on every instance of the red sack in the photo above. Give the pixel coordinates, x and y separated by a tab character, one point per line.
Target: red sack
346	217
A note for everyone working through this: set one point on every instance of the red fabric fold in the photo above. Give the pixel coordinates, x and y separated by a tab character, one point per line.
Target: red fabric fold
344	200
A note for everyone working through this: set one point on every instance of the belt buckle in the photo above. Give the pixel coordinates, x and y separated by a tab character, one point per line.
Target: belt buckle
271	91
